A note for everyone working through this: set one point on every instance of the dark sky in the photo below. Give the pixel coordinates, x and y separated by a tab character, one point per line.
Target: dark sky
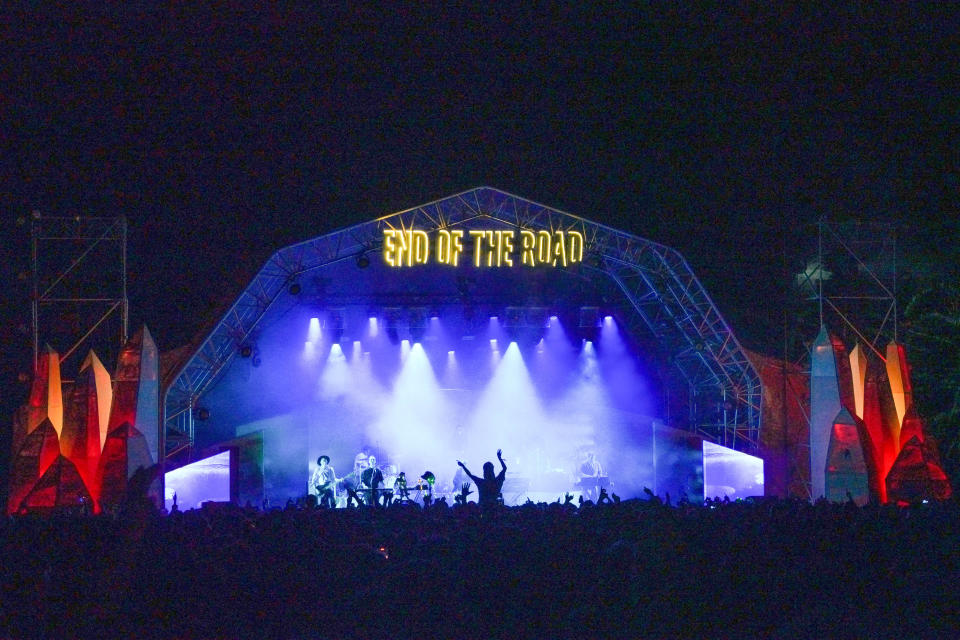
224	135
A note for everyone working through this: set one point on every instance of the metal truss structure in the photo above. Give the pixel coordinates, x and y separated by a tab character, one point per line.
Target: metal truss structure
79	284
855	281
657	282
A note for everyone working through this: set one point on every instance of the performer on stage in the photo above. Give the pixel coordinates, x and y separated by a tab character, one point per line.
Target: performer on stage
325	482
591	476
400	487
427	481
371	480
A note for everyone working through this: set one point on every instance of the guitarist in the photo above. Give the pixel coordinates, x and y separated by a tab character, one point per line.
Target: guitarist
325	481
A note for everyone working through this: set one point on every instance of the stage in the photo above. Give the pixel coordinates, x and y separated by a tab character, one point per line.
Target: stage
449	331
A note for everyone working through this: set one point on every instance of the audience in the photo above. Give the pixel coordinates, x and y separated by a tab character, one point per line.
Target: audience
616	568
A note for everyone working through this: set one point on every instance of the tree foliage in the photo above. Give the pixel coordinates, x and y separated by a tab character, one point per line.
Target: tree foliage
931	334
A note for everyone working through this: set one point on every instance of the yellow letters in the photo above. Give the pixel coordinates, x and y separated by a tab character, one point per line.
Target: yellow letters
449	246
491	248
528	241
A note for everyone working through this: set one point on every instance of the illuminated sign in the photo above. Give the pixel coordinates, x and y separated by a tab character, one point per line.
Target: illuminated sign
491	248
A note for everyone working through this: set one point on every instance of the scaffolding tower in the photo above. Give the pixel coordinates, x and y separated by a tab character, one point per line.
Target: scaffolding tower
79	286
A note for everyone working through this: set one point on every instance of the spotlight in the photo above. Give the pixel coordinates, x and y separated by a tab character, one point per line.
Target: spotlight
363	261
294	289
201	413
246	351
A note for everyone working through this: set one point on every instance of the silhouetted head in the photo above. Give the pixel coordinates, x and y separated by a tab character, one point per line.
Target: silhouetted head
488	470
323	460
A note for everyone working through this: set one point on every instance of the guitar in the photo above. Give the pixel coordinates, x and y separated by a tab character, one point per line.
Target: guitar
326	486
330	485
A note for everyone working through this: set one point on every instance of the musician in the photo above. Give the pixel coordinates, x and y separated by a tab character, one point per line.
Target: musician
427	480
591	473
371	479
400	487
325	481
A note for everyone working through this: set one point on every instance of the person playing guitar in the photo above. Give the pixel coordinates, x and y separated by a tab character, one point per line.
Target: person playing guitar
325	482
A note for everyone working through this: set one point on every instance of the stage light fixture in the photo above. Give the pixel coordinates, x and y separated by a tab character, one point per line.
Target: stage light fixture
201	413
294	289
363	261
246	351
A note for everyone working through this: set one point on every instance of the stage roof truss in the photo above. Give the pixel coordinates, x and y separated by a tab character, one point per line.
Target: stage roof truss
657	281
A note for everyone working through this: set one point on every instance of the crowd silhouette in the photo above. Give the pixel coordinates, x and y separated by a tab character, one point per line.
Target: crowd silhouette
760	568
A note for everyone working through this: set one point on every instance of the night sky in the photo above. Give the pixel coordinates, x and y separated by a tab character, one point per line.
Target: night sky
224	135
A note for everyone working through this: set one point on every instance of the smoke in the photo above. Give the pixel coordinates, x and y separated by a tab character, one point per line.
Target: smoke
457	393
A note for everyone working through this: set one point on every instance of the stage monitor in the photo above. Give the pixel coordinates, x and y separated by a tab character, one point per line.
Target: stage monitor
729	473
198	482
